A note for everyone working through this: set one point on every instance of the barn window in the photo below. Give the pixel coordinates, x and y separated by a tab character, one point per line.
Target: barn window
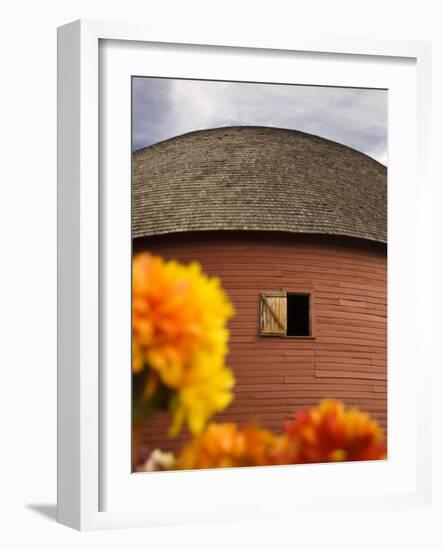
285	314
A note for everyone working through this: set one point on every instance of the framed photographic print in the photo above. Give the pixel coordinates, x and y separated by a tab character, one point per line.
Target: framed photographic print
259	297
238	273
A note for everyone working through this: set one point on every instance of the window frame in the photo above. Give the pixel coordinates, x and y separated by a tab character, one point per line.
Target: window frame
305	291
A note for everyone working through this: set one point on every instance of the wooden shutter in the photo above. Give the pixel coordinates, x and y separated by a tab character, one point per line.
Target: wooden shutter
273	314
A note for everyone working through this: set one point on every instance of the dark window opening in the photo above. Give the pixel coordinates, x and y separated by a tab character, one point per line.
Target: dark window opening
298	315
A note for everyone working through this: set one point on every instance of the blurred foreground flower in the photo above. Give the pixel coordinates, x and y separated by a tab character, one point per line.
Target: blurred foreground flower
330	433
157	462
226	445
326	433
179	342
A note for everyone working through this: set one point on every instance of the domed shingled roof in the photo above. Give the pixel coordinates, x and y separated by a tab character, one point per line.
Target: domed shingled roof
257	178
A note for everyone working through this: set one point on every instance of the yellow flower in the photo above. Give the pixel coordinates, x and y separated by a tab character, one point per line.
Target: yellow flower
205	390
226	445
179	318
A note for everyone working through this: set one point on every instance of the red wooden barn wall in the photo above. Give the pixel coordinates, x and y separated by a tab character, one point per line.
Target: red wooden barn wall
345	359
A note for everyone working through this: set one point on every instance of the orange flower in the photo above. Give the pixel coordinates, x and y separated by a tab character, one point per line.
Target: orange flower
226	445
179	331
329	433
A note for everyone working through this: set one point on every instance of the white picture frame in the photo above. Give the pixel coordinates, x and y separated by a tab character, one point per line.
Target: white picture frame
83	394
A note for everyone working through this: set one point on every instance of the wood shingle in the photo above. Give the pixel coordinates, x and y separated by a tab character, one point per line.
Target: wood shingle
257	178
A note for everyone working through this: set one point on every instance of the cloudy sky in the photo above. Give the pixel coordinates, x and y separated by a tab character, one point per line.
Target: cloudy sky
163	108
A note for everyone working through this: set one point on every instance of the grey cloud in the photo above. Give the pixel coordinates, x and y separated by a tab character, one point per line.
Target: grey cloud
150	111
163	108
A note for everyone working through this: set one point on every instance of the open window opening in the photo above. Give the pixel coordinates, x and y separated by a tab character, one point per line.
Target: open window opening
298	315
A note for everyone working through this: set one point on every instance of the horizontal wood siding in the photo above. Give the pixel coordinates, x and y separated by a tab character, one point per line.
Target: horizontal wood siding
277	376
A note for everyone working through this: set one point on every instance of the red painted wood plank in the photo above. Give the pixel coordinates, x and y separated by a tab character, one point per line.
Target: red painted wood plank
351	374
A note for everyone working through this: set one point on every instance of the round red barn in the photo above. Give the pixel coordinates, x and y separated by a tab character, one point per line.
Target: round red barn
295	226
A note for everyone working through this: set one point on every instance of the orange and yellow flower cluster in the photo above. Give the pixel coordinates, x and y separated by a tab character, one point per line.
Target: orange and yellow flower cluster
226	445
330	433
326	433
179	338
